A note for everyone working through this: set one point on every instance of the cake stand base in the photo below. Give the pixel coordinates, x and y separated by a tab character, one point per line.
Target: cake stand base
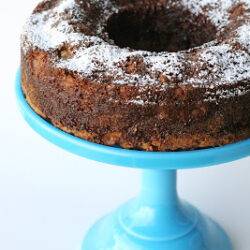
156	220
108	234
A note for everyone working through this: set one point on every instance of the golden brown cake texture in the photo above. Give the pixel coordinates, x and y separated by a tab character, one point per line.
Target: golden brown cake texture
148	74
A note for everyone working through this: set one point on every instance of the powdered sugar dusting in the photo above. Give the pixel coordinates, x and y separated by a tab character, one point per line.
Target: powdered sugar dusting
243	35
66	5
226	64
225	94
217	11
170	64
47	30
87	60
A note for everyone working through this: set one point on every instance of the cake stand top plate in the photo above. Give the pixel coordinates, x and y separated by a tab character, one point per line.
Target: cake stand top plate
128	158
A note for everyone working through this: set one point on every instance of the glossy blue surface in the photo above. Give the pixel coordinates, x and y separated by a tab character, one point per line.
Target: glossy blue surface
129	158
157	219
107	234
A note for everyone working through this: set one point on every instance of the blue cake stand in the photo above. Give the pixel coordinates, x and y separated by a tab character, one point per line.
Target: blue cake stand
157	219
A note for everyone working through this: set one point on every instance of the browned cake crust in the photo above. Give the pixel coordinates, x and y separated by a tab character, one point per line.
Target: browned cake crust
172	114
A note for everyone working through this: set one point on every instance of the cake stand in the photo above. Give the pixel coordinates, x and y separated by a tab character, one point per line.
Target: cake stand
157	219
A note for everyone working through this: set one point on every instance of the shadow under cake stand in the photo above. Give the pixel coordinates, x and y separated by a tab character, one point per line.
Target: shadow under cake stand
157	219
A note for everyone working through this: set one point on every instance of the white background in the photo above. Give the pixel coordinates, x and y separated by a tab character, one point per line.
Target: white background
49	198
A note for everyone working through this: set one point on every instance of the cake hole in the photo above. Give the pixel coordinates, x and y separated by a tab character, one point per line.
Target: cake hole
159	30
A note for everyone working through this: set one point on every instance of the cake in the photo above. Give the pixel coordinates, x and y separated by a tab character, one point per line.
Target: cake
154	75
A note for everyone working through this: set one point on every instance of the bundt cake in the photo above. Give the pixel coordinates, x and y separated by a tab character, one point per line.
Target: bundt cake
155	75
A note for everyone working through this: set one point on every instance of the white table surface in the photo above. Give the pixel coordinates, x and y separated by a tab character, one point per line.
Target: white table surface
49	197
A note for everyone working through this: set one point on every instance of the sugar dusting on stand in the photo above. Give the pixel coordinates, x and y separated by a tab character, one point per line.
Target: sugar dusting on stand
48	31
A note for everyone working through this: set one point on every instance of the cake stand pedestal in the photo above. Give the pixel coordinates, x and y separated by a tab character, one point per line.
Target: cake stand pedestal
157	219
